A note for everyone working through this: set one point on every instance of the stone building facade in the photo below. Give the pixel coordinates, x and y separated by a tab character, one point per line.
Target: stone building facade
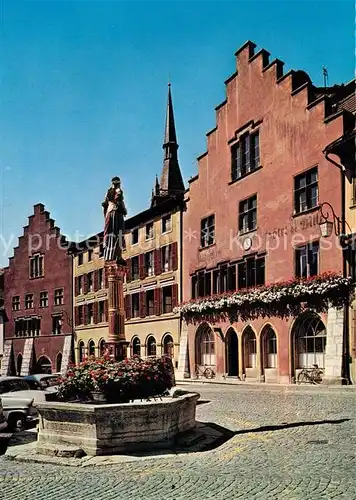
38	300
153	240
253	214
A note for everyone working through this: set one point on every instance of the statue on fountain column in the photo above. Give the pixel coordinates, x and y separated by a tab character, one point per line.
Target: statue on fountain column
114	213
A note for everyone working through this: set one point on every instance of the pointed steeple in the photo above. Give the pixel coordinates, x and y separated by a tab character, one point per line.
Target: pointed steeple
171	182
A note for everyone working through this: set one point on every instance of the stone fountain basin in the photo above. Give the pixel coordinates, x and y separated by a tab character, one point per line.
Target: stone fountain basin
107	429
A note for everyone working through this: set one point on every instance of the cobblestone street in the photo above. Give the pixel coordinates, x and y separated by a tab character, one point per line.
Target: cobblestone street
290	443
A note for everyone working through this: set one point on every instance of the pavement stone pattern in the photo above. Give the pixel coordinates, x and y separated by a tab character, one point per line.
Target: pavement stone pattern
288	444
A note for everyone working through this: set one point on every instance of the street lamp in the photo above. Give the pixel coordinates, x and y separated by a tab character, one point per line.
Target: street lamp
326	225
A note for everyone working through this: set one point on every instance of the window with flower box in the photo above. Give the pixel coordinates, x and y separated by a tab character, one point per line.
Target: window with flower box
307	260
306	190
16	303
251	272
207	231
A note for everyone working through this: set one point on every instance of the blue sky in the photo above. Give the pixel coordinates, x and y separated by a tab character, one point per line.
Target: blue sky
84	88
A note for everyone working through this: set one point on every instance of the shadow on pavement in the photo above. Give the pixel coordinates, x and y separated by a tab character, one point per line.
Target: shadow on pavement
266	428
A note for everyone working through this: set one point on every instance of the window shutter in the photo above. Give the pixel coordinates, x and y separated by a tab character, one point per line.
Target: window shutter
76	315
174	250
95	313
157	261
141	265
174	295
128	273
76	286
95	282
85	314
157	301
142	304
106	278
128	307
85	277
106	315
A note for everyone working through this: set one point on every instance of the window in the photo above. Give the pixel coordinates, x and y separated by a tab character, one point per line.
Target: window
135	305
36	266
310	341
101	278
80	284
58	296
207	231
90	282
306	190
149	231
353	196
307	260
151	346
101	311
43	299
16	303
166	258
248	214
28	327
136	347
168	346
245	156
90	254
251	272
205	346
90	313
81	315
91	348
135	273
249	344
29	301
150	303
166	223
167	299
81	351
56	325
134	236
149	266
80	259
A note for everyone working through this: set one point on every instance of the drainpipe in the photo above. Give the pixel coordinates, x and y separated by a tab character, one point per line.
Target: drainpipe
346	343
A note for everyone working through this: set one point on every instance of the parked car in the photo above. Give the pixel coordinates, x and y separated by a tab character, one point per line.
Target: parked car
18	412
4	434
19	388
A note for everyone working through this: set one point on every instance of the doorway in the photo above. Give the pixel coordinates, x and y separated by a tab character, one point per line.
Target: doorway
232	353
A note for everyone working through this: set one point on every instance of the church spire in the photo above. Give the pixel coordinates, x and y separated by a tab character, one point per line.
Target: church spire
171	182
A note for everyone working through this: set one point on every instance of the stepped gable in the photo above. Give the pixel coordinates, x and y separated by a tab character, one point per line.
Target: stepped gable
333	102
41	215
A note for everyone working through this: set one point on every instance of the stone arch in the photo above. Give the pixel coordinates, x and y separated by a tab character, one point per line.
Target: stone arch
81	351
151	346
205	346
308	342
59	362
232	353
136	346
19	364
43	365
101	346
168	345
91	347
249	348
268	348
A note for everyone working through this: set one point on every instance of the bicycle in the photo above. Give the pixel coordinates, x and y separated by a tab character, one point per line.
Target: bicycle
311	375
204	371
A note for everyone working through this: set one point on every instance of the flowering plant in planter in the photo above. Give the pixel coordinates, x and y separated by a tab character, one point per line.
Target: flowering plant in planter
120	381
282	299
